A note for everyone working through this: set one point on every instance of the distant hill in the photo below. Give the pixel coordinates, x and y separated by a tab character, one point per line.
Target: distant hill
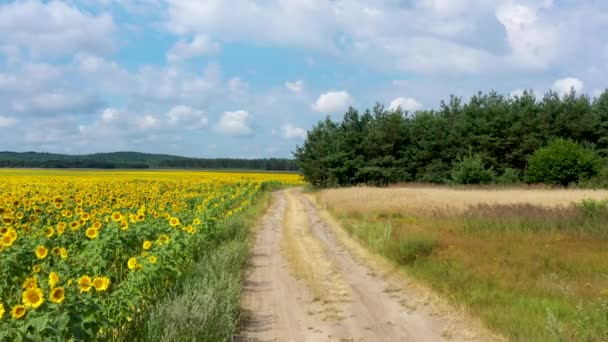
137	160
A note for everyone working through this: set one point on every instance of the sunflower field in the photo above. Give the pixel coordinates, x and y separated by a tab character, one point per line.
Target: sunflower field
81	252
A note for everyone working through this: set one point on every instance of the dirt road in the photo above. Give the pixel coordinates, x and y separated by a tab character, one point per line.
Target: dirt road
305	285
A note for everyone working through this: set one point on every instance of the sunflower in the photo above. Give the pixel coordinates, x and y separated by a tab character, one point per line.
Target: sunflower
174	222
132	263
53	279
163	238
92	233
196	221
153	259
85	216
41	252
97	225
32	297
18	311
84	283
37	268
57	295
141	217
147	245
1	310
30	282
64	253
56	250
124	225
116	216
7	241
74	225
49	232
60	228
3	230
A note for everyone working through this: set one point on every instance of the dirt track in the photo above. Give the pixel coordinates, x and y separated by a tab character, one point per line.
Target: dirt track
305	285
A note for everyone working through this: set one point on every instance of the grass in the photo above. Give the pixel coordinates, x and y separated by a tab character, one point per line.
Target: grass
532	264
205	304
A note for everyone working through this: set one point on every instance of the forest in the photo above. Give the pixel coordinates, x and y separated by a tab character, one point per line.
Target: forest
136	160
491	138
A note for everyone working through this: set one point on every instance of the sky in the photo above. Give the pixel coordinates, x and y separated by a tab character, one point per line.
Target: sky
248	78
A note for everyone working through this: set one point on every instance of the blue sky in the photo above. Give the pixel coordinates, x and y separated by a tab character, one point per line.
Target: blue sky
247	78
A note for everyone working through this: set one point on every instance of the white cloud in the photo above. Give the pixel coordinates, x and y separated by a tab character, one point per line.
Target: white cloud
564	85
54	28
597	92
110	115
187	117
533	43
237	85
148	122
333	102
405	103
292	132
7	121
235	123
199	46
296	86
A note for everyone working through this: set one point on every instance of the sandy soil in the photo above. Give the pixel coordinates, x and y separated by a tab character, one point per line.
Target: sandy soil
305	284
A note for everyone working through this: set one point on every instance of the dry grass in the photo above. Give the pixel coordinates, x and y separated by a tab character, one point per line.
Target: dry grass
309	261
513	257
365	200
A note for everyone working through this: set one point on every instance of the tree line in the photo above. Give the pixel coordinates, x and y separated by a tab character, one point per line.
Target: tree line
490	138
136	160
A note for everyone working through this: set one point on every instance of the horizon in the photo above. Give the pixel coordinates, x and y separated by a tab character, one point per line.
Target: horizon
246	80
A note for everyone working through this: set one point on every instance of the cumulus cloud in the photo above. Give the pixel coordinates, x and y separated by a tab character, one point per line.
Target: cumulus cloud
187	117
148	122
296	86
292	132
200	45
7	121
235	123
533	43
405	103
564	85
333	102
54	28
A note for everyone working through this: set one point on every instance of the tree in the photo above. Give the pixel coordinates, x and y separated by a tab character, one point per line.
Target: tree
562	162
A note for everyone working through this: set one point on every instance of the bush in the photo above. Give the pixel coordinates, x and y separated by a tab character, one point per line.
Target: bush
471	170
562	162
509	176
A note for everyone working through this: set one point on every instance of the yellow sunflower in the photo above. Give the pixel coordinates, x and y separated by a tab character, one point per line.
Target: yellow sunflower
116	216
132	263
57	295
56	250
41	252
174	222
53	279
18	311
30	282
152	259
32	297
163	238
84	283
147	245
37	268
124	225
64	253
196	221
49	232
92	233
1	310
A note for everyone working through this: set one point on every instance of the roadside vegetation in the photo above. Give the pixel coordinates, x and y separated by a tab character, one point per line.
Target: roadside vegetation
531	263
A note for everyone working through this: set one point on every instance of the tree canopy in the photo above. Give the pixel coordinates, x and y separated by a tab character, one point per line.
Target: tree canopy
381	146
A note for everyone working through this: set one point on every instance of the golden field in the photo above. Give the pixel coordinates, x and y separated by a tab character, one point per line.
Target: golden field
82	251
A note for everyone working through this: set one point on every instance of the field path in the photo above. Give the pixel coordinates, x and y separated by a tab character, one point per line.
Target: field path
305	285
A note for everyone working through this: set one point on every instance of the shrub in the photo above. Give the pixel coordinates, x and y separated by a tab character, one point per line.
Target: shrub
562	162
471	170
509	176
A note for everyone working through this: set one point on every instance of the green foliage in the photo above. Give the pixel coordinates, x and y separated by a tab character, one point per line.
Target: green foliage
592	207
509	176
562	162
380	146
471	170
